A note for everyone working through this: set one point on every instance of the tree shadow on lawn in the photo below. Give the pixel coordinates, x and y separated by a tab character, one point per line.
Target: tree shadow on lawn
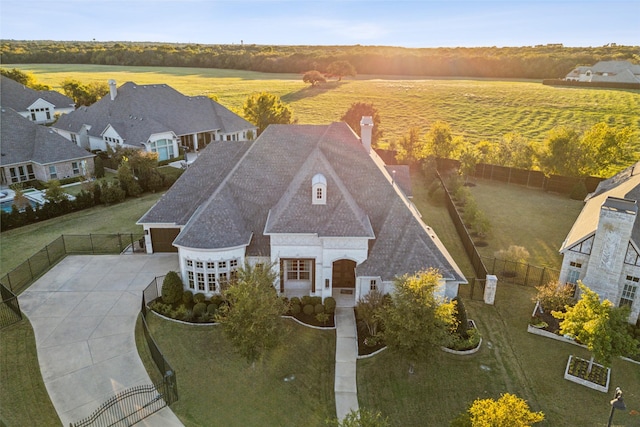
311	91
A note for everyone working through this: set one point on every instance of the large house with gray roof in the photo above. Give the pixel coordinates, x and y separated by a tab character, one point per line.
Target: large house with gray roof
30	151
39	106
155	118
606	72
315	201
603	247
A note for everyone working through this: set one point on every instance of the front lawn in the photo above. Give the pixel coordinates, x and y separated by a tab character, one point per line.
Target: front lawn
217	387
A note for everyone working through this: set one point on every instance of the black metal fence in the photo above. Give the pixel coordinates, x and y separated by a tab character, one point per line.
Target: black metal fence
136	403
131	405
10	309
465	237
521	273
18	279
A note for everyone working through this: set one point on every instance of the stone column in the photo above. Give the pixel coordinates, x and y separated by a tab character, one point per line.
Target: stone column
490	287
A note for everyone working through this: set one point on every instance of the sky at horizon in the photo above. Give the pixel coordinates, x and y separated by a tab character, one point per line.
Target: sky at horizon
407	23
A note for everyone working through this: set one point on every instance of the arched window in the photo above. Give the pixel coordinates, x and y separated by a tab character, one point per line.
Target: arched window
319	190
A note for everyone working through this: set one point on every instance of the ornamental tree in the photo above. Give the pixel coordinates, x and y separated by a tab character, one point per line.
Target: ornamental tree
314	77
598	325
341	69
508	411
264	109
417	321
251	318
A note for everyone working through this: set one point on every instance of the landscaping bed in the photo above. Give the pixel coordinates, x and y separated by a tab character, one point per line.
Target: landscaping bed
577	371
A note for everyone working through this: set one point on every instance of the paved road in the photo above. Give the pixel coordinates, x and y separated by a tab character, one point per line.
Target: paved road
83	312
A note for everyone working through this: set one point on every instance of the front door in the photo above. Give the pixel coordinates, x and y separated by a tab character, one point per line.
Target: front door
344	274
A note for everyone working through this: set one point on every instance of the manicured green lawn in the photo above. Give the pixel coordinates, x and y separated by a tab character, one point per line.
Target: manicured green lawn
478	109
521	216
510	360
19	244
24	400
217	387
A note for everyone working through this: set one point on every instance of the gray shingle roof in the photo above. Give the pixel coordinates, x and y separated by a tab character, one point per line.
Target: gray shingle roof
20	97
274	175
139	111
623	185
23	141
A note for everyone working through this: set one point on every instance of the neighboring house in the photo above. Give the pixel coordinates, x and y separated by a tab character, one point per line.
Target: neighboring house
606	71
603	247
30	151
39	106
312	199
156	118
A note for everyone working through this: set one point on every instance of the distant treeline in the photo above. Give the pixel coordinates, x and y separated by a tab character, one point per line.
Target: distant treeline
539	62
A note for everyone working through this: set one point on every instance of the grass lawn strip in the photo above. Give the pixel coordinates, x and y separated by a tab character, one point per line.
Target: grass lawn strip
24	400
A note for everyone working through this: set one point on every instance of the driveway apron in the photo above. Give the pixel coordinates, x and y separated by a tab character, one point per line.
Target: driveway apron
83	312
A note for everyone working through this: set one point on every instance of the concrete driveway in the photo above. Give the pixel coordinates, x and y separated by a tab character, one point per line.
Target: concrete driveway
83	313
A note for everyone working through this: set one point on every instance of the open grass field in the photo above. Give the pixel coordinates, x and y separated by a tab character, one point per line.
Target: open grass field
479	109
217	387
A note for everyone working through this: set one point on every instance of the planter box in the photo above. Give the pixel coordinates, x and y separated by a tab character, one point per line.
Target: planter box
587	383
472	325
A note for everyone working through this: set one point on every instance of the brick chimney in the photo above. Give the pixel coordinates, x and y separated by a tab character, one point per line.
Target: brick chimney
112	89
366	129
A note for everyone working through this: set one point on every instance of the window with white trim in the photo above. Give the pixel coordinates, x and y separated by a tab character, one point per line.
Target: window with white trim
629	291
190	279
373	285
298	269
211	280
199	264
189	263
75	168
53	172
74	138
200	277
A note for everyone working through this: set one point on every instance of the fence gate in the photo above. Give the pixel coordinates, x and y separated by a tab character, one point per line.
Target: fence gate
133	404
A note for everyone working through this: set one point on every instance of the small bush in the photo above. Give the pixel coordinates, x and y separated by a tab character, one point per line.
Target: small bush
199	309
199	297
308	309
216	299
294	301
171	288
305	300
579	191
212	308
187	297
318	308
329	304
322	318
315	301
296	309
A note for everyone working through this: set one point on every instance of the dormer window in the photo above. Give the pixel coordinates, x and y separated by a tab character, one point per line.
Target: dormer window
319	190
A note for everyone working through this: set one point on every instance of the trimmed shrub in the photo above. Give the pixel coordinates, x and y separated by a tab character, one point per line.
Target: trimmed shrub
461	319
199	297
315	301
308	309
294	301
329	304
187	297
305	300
216	299
318	308
199	309
171	288
296	309
212	308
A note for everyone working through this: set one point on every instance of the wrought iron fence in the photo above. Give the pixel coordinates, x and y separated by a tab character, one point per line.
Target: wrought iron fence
10	309
521	273
151	292
132	405
18	279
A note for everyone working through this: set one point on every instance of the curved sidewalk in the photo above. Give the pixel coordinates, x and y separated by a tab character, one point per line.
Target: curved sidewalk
83	312
345	387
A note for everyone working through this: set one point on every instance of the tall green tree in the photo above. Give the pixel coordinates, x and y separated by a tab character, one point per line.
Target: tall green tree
440	141
264	109
314	77
84	94
508	411
127	181
54	192
417	321
412	147
341	69
607	147
354	115
598	325
251	319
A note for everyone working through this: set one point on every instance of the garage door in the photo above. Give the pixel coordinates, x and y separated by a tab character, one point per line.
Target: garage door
162	239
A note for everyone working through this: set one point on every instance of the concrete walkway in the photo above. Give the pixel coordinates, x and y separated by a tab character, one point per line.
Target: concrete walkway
83	312
346	354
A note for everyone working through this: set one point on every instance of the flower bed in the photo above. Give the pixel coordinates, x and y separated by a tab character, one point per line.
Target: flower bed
597	379
468	346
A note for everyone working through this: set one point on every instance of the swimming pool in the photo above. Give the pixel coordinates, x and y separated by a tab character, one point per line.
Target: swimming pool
5	206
